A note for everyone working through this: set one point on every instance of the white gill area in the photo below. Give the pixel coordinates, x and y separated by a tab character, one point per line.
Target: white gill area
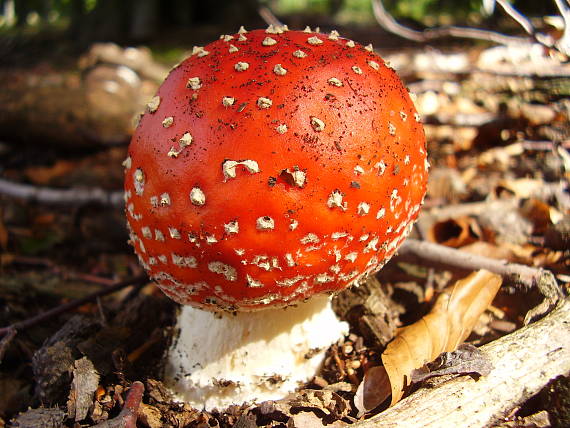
224	359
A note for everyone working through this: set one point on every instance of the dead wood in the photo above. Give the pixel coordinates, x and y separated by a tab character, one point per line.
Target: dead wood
66	109
517	274
524	362
66	197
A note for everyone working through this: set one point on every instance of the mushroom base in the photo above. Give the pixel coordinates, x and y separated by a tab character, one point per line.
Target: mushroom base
223	359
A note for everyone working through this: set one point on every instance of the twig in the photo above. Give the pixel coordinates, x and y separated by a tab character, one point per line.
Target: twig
543	145
67	197
5	342
20	325
61	271
517	274
268	16
388	22
442	255
563	44
522	20
128	416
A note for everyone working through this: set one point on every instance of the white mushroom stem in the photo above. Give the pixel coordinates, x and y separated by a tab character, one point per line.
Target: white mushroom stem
223	359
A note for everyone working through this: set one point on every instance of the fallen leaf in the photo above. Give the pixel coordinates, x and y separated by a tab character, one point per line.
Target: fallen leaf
466	359
150	416
501	251
455	232
557	236
372	391
448	324
305	420
538	213
522	188
43	175
328	402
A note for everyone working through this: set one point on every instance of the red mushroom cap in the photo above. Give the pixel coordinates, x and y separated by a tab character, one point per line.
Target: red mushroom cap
273	165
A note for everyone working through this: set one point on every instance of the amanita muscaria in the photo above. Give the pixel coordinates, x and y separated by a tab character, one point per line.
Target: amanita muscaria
271	166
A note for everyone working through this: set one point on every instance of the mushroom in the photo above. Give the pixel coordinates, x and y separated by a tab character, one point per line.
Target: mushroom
271	166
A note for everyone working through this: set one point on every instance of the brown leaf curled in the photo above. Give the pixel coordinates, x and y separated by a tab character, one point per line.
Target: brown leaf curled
372	391
448	324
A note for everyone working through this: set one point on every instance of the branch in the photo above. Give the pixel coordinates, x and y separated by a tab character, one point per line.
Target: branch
524	362
58	310
563	44
388	22
522	20
47	195
269	17
517	274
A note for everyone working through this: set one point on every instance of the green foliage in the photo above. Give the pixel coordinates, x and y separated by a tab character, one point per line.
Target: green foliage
420	9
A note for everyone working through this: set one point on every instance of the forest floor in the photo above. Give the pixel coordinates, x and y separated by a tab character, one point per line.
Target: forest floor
497	124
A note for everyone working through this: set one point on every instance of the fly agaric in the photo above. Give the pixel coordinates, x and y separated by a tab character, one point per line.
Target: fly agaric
271	166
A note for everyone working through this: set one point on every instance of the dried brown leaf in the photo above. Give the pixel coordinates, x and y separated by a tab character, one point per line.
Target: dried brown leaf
455	232
449	323
466	359
44	175
305	420
501	251
328	402
373	390
539	214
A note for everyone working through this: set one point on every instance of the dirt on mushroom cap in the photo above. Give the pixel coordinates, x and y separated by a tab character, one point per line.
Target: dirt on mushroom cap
309	179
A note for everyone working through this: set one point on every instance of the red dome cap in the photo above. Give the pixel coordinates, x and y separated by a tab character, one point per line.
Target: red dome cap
273	165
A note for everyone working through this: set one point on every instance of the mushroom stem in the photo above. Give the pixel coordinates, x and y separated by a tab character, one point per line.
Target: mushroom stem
219	359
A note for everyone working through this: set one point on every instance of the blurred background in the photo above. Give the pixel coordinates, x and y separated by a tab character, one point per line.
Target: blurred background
179	22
